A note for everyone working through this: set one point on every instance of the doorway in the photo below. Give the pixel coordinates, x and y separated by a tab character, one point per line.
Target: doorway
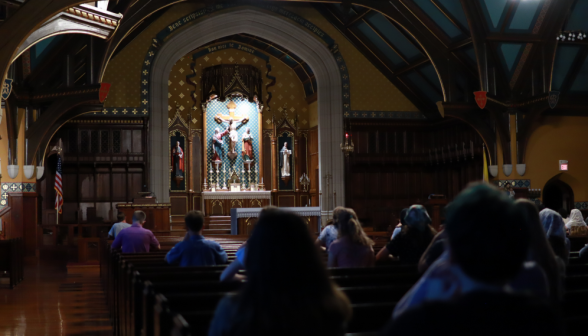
558	195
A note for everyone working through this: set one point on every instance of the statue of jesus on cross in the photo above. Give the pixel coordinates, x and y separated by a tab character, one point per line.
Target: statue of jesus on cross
234	122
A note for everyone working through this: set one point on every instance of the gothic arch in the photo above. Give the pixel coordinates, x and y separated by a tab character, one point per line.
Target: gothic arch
278	30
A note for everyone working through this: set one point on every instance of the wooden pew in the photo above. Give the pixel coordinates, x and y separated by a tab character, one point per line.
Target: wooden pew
11	260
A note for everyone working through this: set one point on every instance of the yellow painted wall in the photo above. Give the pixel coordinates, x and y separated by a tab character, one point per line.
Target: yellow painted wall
287	94
368	86
556	138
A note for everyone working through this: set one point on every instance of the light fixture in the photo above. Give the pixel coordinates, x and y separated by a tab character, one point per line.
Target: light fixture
571	36
348	147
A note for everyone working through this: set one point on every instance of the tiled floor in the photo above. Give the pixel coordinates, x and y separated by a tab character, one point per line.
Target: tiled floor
51	302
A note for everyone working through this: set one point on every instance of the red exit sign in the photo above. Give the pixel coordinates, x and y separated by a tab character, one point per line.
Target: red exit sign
563	165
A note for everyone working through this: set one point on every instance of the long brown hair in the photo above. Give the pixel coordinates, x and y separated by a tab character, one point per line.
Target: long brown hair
349	226
288	291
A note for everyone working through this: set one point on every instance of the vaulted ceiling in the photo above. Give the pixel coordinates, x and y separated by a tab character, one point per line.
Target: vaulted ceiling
438	50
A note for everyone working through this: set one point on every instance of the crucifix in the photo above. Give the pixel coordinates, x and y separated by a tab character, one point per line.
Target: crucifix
233	121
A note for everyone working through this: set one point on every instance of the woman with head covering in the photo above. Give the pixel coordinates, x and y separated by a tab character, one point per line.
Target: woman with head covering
414	238
353	248
554	228
288	291
540	250
576	223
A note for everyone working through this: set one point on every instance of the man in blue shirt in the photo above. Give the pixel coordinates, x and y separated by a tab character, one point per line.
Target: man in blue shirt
195	250
118	226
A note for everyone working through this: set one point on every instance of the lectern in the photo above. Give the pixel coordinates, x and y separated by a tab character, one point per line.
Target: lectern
157	213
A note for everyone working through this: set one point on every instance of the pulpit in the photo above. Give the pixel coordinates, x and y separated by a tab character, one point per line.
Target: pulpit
158	219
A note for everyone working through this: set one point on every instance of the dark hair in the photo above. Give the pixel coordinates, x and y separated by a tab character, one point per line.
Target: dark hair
120	216
487	234
563	213
403	215
288	291
350	227
194	220
139	216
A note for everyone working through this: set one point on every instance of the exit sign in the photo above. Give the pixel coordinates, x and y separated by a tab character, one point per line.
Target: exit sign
563	165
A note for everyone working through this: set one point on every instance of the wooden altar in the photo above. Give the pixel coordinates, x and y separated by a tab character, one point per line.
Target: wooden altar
158	219
243	220
220	203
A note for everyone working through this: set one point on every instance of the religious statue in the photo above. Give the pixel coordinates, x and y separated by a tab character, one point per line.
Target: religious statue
217	144
178	163
247	151
285	161
233	122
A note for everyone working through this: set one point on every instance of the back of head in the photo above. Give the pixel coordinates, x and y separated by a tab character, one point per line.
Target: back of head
552	223
281	249
194	221
487	234
139	217
350	227
286	277
417	217
120	217
576	217
554	229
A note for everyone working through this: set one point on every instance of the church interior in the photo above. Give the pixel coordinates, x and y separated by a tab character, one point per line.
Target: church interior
226	108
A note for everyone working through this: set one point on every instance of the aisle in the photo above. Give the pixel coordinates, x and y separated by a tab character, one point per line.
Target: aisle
51	302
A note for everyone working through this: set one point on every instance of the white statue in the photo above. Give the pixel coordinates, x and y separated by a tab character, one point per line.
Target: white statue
285	160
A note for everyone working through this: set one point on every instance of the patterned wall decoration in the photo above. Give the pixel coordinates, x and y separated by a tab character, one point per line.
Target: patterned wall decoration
165	33
286	94
581	205
369	85
14	187
244	109
514	183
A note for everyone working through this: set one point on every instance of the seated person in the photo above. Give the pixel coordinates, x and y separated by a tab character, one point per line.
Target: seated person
487	244
136	239
554	228
575	225
118	226
353	248
195	250
328	235
231	273
468	293
414	238
288	291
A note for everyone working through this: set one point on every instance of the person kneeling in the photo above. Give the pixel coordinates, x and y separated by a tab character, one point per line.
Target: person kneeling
194	250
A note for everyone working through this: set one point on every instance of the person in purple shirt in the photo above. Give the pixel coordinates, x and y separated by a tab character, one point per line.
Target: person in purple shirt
136	239
195	250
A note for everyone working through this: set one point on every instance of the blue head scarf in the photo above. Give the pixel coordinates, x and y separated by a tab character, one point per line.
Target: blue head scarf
417	217
552	223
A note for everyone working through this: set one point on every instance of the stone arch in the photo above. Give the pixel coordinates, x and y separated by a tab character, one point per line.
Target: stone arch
284	33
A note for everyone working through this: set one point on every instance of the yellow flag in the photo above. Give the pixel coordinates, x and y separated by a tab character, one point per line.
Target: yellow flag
485	167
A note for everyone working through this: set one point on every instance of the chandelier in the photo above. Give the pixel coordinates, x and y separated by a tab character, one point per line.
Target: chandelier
571	36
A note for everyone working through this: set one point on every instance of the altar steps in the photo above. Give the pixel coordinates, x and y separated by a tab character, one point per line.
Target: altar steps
217	225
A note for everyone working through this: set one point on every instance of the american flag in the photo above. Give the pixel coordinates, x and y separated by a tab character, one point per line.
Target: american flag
58	188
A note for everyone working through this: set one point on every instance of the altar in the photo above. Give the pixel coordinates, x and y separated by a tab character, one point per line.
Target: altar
220	203
243	220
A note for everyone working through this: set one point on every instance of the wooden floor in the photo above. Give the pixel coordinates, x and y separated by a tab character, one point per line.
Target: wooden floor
51	302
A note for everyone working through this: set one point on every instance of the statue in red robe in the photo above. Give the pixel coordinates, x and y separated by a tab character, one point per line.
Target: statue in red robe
247	151
178	160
